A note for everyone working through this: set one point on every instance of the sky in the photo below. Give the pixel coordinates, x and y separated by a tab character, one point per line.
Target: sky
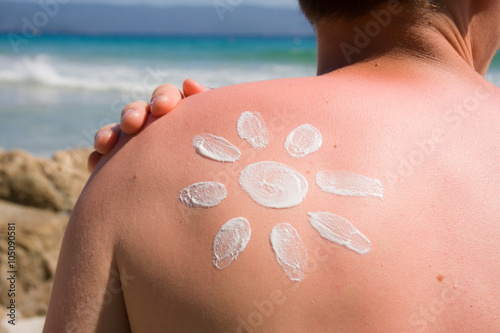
272	3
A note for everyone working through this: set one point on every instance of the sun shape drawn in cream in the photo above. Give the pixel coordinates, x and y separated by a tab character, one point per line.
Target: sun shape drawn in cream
277	186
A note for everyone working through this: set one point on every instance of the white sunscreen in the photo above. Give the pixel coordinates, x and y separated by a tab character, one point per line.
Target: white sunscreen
338	230
205	194
273	184
303	140
230	241
216	148
349	184
252	128
290	251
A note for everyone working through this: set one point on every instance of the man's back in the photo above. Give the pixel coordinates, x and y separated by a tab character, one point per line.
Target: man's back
431	140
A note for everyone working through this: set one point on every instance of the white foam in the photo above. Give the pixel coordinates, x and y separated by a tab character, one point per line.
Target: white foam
55	72
216	148
204	194
273	184
349	184
338	230
230	241
290	250
252	128
303	140
130	74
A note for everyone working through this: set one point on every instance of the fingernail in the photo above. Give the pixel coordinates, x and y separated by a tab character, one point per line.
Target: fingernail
203	87
153	102
101	133
127	113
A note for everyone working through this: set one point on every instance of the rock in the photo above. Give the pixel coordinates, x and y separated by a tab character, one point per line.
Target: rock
54	184
39	235
75	158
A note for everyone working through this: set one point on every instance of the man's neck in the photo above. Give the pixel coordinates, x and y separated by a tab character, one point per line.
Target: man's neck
391	34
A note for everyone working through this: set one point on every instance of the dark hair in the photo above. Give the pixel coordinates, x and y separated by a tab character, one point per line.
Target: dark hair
316	10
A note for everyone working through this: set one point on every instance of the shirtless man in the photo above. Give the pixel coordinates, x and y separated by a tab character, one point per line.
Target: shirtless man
400	98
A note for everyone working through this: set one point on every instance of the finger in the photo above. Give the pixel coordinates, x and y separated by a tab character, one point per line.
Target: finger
94	158
192	87
106	138
165	99
134	117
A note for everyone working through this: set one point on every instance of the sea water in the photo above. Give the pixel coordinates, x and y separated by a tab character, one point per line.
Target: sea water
56	91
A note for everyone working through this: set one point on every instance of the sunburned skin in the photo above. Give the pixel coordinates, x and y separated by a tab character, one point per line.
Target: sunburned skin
204	194
230	241
165	254
290	250
276	185
216	148
338	230
273	184
349	184
252	128
414	111
303	140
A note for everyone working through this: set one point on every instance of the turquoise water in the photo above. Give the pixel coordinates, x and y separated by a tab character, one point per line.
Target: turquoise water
57	91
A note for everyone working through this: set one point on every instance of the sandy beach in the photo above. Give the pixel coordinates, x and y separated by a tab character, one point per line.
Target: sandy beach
26	325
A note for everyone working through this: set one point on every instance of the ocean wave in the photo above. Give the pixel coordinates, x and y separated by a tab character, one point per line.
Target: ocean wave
103	75
139	78
45	70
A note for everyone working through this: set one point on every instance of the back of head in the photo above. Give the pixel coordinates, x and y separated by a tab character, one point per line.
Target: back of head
477	43
318	10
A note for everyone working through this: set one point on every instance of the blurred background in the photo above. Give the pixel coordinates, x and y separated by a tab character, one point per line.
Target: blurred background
67	67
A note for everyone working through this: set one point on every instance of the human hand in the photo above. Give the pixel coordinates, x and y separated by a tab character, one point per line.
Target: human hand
165	99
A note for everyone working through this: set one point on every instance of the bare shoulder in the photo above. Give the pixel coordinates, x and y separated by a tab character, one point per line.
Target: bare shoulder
404	147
